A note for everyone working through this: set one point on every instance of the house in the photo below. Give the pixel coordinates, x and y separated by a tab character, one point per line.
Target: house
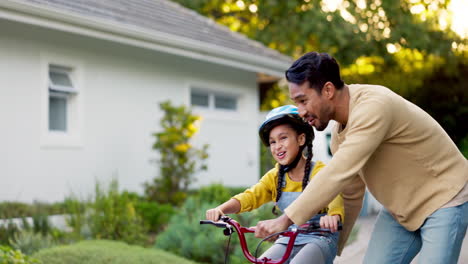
80	87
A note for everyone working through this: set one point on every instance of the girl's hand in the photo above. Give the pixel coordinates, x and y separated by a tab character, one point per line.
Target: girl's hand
214	214
330	222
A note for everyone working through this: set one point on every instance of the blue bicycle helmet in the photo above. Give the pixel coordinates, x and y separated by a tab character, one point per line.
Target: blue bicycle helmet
286	114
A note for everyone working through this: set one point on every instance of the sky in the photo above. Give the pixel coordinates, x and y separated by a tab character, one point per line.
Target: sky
460	18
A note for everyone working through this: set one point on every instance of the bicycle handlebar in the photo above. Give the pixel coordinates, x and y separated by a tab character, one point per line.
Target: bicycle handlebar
231	225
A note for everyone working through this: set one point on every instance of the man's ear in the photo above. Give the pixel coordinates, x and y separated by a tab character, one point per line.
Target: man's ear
328	90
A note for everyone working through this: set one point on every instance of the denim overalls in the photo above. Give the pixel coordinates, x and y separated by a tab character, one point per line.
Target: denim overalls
328	242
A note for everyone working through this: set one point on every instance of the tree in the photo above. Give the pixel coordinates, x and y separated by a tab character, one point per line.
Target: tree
179	160
346	29
406	45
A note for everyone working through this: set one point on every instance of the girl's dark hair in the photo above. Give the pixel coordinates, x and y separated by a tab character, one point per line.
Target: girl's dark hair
317	68
307	169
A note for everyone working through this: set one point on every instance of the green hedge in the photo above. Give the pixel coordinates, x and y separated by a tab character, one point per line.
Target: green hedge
12	209
185	236
104	251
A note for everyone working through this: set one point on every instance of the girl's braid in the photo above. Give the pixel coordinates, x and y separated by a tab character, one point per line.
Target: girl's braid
307	168
279	186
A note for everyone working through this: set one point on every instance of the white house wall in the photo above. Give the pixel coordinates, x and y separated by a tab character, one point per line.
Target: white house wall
120	89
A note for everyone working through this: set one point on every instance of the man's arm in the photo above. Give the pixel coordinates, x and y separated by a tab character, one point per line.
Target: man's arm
367	128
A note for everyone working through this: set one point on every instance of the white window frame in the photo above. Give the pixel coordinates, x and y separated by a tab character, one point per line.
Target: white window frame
72	137
211	99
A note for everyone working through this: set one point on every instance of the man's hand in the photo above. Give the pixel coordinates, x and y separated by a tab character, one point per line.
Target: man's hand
268	227
330	222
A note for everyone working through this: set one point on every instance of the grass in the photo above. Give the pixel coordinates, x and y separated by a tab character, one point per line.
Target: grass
106	252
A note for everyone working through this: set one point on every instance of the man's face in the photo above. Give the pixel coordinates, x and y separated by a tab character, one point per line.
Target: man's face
312	106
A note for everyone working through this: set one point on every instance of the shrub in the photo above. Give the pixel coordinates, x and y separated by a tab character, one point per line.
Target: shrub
11	256
14	210
41	224
179	160
104	252
26	235
19	209
29	242
236	190
185	237
113	216
214	193
76	218
108	215
155	215
7	231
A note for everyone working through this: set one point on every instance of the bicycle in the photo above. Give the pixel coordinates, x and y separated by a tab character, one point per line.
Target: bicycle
230	226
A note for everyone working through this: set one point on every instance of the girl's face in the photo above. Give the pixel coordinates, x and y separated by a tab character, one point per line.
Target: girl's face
285	143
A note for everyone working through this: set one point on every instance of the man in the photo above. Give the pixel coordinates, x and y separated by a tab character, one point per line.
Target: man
384	142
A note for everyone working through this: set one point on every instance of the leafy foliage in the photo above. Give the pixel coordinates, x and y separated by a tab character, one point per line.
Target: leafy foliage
110	214
28	241
11	256
214	193
155	215
11	209
113	216
207	244
179	160
104	252
297	26
266	160
76	219
20	231
406	45
8	229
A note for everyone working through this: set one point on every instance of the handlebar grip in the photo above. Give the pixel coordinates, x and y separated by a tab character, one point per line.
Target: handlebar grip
316	225
209	222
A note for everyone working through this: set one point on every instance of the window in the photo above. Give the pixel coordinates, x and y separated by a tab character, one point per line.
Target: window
199	98
61	93
225	102
61	101
212	100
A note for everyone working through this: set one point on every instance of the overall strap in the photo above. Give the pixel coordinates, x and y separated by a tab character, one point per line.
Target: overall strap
312	165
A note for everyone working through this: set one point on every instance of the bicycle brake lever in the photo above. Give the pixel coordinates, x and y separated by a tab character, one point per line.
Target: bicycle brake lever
228	230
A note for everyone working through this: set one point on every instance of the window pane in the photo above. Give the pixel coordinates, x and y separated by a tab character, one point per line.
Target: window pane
57	113
60	78
225	102
199	98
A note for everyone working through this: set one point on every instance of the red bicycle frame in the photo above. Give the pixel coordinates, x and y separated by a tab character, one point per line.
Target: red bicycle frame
231	225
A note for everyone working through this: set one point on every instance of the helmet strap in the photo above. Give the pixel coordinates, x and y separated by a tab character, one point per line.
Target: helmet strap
294	163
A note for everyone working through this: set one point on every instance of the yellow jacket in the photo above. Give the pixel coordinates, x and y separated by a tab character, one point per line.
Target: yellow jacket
265	191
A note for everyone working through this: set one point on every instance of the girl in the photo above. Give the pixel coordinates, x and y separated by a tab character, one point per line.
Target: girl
287	135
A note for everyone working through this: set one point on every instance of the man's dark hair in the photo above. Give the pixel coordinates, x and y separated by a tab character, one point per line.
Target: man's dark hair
317	68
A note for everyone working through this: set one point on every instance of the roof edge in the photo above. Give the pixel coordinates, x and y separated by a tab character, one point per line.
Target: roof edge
136	36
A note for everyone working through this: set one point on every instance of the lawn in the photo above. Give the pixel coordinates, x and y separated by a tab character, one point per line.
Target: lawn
106	252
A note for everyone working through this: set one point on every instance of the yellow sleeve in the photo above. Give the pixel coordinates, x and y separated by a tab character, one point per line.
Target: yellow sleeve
335	207
257	195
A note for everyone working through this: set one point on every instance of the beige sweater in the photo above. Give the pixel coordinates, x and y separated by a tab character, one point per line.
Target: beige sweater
403	156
